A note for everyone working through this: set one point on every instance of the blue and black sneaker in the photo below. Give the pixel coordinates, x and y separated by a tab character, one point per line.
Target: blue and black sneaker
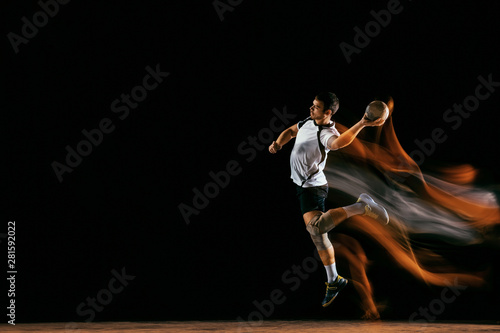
333	289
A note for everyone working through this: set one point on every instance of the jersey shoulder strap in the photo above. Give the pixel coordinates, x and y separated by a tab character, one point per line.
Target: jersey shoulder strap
302	122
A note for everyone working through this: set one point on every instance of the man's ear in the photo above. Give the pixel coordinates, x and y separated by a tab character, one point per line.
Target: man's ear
331	112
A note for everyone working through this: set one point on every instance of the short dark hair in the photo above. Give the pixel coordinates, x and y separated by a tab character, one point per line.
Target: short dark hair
330	101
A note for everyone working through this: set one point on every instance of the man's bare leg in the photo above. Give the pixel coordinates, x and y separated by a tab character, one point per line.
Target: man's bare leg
318	224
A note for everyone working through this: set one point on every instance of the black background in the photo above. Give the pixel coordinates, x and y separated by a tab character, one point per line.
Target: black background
119	207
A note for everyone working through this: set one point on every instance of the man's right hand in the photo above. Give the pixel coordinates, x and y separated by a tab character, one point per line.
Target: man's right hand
370	123
274	147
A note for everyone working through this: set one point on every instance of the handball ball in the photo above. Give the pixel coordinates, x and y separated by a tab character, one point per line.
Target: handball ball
376	110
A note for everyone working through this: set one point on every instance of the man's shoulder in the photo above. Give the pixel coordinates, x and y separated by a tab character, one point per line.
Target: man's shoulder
332	129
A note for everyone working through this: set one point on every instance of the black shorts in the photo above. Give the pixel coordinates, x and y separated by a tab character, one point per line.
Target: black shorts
312	198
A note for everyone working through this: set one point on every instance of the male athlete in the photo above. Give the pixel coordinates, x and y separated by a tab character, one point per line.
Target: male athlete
315	137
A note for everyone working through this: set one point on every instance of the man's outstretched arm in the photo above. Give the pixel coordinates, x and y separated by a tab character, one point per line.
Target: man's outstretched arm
345	139
283	138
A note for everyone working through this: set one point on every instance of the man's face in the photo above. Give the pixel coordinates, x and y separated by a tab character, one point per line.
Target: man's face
317	110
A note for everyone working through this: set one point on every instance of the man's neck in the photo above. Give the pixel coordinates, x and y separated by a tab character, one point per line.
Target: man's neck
323	122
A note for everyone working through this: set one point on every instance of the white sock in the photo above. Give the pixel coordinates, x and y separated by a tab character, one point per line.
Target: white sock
354	209
331	272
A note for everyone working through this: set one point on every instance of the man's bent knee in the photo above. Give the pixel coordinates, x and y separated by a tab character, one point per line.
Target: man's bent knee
320	224
318	227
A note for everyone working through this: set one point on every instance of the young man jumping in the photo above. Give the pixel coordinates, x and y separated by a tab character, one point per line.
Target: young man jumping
315	137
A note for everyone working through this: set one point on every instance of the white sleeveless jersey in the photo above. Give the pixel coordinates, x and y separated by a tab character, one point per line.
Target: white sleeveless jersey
308	157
